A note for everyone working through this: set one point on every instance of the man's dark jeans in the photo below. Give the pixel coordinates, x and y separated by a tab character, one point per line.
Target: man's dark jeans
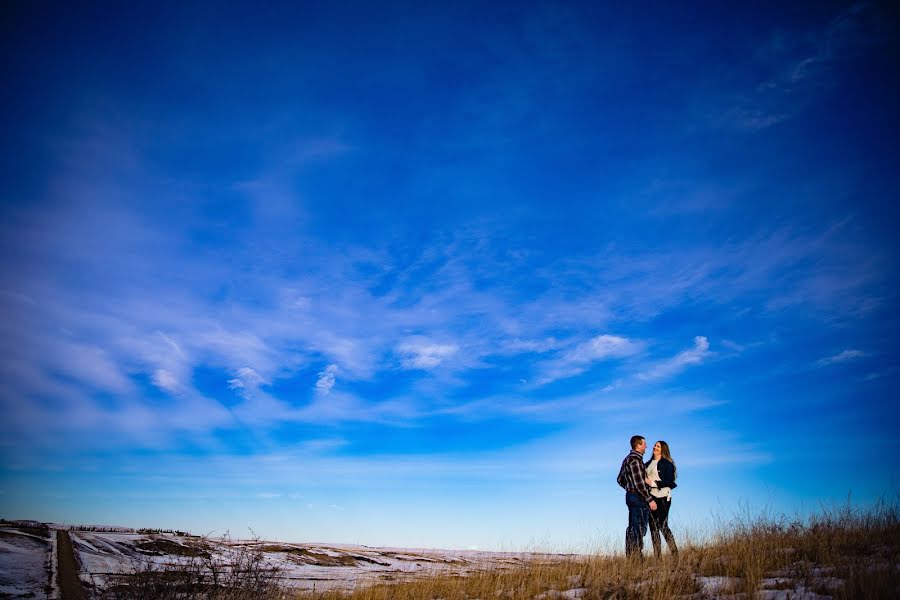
638	521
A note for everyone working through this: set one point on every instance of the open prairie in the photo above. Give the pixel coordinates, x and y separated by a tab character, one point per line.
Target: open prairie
834	554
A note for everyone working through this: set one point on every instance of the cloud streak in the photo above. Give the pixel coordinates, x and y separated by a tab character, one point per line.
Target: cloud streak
582	356
801	66
844	356
326	379
421	353
672	366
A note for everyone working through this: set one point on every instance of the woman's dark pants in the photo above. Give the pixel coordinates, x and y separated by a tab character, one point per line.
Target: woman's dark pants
659	523
638	518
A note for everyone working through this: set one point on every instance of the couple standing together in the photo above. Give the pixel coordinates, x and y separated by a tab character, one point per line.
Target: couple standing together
648	495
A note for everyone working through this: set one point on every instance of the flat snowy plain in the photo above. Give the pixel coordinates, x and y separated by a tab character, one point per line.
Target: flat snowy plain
304	566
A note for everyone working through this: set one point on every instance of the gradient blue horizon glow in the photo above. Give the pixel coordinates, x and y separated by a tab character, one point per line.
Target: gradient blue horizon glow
409	275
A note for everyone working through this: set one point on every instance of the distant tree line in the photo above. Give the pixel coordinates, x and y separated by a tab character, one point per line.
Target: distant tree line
97	528
23	523
148	531
142	530
103	529
27	526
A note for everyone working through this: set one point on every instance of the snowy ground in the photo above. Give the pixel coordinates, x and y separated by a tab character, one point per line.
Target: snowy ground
28	561
24	560
28	557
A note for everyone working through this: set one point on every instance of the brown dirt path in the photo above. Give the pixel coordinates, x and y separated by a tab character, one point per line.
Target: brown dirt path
69	583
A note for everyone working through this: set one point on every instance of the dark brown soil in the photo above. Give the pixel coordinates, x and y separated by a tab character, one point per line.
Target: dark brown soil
69	583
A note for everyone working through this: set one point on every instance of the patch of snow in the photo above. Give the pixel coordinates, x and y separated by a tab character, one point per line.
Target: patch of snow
712	586
552	594
798	593
831	583
775	582
24	534
53	560
802	567
79	541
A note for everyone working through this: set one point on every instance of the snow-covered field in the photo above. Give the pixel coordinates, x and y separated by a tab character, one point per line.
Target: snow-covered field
304	566
24	564
27	560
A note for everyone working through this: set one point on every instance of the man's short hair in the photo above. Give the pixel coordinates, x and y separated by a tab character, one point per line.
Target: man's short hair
635	440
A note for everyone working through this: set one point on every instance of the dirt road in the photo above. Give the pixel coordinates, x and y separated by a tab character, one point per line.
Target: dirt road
69	583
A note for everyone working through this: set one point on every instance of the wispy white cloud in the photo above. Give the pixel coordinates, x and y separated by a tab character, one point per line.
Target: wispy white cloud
326	379
603	347
619	405
246	378
89	363
827	273
165	380
843	356
800	66
422	353
679	362
579	358
517	345
887	372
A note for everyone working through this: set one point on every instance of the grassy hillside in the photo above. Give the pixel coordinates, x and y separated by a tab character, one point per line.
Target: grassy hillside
837	554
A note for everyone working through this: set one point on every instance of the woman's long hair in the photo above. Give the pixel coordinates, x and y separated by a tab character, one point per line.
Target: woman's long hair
664	453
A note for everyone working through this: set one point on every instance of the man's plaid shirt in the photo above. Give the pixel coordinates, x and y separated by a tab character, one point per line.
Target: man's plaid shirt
633	476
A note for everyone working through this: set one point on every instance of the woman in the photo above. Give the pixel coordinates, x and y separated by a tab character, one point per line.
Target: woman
661	474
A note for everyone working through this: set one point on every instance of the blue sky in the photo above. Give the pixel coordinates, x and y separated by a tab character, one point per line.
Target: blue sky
402	274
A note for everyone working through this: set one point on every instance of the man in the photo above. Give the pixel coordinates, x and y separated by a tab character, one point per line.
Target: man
633	477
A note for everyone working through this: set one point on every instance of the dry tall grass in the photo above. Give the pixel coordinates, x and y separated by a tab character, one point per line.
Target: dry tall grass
840	553
837	553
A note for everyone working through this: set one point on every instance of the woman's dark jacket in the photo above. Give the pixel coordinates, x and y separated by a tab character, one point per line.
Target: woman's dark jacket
666	473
